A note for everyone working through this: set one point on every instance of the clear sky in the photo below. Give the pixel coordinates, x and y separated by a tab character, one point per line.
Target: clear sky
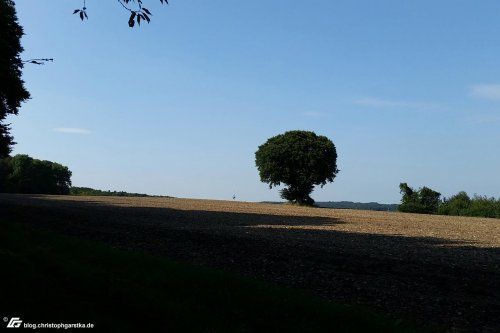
409	91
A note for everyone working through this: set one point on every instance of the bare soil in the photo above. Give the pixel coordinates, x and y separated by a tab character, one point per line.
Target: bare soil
436	270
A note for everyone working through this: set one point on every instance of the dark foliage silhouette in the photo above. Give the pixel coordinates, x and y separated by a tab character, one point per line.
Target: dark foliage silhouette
137	14
424	201
298	159
12	90
23	174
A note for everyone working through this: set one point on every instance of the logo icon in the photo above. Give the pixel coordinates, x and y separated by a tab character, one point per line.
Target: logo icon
14	322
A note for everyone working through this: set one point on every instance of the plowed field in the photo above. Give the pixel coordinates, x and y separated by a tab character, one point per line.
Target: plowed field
433	269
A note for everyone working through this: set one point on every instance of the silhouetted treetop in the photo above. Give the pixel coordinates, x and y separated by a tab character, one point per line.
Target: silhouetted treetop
12	90
298	159
424	201
23	174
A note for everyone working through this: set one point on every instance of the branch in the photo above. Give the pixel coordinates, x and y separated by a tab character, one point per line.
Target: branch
123	5
38	61
141	13
82	12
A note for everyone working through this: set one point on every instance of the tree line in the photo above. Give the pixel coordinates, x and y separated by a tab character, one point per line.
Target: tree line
427	201
88	191
27	175
358	205
23	174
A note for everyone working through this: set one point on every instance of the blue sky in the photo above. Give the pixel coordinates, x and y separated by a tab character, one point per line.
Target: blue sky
409	91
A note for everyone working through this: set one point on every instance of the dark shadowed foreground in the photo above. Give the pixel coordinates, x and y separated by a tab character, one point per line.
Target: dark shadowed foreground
435	269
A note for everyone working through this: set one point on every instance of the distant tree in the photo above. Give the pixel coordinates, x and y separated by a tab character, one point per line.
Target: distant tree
298	159
424	201
484	207
407	192
137	14
461	204
12	90
87	191
358	205
457	204
429	199
24	174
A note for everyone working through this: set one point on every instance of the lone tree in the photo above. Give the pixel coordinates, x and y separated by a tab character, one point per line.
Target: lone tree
12	90
298	159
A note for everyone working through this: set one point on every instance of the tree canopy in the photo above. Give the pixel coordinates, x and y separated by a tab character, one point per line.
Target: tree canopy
461	204
23	174
427	201
298	159
424	200
12	90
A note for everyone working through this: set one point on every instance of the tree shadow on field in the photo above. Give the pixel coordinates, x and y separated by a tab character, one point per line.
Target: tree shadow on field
433	280
161	215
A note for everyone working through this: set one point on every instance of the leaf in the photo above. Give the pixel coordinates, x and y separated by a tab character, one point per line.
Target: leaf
85	13
131	21
76	11
81	15
147	11
146	17
139	19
